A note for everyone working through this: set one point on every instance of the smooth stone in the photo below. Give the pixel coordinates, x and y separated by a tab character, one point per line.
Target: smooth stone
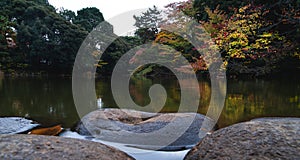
156	131
37	147
14	125
264	138
136	153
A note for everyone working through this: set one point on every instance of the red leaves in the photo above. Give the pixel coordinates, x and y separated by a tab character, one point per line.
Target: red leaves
199	64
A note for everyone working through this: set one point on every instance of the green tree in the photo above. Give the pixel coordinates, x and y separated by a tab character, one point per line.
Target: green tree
227	6
254	37
148	24
68	15
89	18
45	40
114	52
6	33
247	47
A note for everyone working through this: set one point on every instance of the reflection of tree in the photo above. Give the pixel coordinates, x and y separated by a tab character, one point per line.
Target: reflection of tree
17	107
47	101
50	101
139	89
247	100
239	107
1	80
205	93
103	91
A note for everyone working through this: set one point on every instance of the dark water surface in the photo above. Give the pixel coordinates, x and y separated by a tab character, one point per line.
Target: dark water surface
49	100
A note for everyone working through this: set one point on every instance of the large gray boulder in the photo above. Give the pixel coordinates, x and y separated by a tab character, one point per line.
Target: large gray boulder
13	125
158	131
265	138
34	147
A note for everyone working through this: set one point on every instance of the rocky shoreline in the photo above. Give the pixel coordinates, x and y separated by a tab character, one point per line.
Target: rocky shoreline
264	138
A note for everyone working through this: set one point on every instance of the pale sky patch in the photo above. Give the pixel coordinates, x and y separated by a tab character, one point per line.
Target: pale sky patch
110	8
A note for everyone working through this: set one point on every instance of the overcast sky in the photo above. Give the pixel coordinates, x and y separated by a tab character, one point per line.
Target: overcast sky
110	8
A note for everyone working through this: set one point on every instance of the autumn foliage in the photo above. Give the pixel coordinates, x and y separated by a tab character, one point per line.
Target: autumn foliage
250	39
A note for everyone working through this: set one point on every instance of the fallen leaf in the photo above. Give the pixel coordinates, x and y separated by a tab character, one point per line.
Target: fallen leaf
50	131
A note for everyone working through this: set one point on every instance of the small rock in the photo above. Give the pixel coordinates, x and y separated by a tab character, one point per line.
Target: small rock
14	125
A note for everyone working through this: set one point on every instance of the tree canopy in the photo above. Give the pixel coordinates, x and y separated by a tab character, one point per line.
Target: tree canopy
88	18
254	37
148	24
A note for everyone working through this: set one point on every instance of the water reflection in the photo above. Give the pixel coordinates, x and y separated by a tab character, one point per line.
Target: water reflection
245	100
50	101
99	103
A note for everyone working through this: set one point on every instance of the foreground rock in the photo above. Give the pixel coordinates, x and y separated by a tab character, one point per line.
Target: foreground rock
13	125
31	147
169	131
268	138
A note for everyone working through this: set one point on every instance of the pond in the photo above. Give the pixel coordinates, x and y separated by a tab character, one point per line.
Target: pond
49	100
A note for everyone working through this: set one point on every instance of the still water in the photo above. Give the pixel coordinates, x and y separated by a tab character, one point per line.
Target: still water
49	100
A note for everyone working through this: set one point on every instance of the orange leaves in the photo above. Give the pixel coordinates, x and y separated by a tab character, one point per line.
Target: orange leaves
51	131
199	64
165	37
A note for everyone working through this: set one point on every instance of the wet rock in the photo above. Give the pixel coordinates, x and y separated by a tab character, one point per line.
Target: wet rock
30	147
14	125
265	138
158	131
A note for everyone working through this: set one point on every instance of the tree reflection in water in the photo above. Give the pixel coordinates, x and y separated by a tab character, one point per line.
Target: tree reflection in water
49	100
